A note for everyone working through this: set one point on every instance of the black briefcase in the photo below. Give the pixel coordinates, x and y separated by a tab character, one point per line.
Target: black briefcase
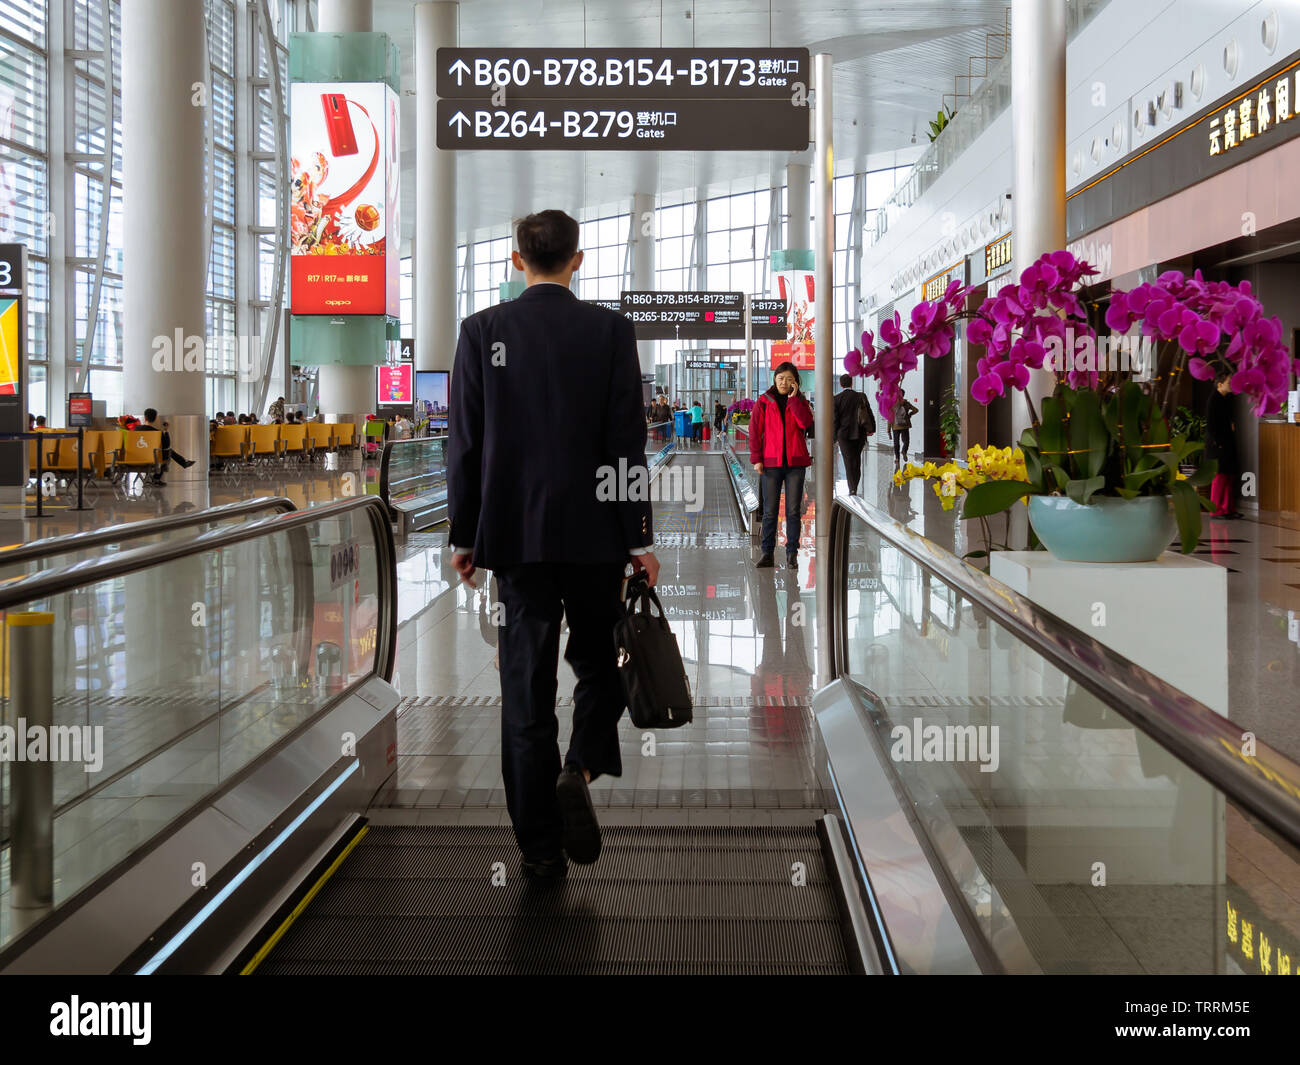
654	679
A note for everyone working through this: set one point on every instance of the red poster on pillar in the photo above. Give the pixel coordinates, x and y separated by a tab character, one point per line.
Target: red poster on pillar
797	290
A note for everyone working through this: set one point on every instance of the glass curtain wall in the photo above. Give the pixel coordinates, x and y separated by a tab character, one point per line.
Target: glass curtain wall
61	186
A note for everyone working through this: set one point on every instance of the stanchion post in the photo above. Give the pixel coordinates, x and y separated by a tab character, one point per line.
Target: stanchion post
31	694
40	479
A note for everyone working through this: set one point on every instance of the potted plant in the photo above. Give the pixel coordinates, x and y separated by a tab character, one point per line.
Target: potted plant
1101	464
950	422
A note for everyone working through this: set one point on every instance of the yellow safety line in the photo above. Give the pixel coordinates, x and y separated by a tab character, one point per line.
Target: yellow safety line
267	947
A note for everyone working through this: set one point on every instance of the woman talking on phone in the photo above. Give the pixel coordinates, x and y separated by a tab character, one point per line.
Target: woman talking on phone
778	448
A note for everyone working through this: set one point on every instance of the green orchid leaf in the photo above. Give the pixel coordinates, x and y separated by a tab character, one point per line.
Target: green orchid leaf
1187	511
1082	490
1204	474
992	497
1089	440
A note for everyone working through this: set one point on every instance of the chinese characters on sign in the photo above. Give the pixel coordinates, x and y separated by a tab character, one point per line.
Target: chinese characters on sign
937	285
1255	112
997	255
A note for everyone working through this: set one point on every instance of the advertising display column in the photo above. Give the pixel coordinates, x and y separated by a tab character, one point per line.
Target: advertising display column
344	227
13	368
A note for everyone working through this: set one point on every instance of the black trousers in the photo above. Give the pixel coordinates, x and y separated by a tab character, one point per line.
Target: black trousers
534	596
852	452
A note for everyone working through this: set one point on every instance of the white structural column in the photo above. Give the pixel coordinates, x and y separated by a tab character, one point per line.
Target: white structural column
797	178
643	263
163	57
823	346
345	16
434	277
346	390
1038	133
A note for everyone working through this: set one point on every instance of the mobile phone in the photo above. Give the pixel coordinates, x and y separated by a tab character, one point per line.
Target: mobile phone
338	124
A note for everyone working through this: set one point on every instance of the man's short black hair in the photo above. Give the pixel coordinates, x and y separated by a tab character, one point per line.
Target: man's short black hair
150	414
547	240
846	381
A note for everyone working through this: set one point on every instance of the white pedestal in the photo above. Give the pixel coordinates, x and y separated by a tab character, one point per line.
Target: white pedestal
1154	821
1169	616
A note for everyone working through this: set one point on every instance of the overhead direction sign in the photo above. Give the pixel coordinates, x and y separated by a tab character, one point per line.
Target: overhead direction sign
655	99
768	319
686	315
622	74
646	125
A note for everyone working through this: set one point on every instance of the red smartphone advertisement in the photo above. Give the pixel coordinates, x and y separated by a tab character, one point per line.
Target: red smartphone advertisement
338	124
343	199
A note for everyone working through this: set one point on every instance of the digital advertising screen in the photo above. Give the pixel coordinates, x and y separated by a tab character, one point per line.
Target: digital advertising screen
395	386
431	397
10	362
343	199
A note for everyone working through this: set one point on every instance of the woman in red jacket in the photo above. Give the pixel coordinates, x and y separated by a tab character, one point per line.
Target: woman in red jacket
778	448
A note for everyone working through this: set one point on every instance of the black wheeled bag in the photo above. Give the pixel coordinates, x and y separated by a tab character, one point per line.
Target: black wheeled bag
649	661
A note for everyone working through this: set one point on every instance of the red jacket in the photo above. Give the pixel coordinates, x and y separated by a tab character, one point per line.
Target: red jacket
766	430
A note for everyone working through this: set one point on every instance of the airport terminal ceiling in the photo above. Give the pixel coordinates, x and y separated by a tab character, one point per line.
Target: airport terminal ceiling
893	64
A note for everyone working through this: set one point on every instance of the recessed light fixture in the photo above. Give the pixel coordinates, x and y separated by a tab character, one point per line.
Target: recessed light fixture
1268	31
1231	58
1095	151
1198	81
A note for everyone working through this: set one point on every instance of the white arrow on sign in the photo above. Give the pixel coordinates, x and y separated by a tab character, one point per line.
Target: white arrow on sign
458	117
460	68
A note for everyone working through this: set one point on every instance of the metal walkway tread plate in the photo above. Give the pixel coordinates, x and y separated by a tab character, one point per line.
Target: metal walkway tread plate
681	900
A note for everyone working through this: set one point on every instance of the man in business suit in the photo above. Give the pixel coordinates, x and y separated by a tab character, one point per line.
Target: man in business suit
545	412
854	423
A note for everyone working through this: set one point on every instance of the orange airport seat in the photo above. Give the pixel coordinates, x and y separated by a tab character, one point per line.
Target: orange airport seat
293	440
141	451
230	442
264	442
345	434
320	436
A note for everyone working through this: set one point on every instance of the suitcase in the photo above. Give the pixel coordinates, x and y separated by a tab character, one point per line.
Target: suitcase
649	661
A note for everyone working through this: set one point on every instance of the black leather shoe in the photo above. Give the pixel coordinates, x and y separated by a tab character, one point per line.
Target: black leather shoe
765	562
581	830
792	561
548	869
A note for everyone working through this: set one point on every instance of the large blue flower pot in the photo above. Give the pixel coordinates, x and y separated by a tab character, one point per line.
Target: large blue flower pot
1108	529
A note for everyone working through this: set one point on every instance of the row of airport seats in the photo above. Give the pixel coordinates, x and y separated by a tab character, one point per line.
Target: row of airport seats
106	453
264	444
112	452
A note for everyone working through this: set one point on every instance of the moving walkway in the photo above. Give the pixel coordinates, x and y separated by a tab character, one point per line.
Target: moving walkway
1113	825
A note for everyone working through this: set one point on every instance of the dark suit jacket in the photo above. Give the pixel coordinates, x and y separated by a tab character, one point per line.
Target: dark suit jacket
546	409
847	405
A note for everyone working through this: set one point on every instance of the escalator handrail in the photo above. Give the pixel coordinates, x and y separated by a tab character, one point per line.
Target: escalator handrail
53	546
1268	785
55	582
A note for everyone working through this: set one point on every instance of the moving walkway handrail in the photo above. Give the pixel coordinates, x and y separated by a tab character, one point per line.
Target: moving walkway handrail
55	582
53	546
386	484
1267	784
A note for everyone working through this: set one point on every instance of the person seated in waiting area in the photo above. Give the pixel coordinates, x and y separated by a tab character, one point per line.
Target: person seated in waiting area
31	422
40	422
150	422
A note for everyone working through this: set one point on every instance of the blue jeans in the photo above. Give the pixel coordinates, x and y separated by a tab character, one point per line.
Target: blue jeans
792	477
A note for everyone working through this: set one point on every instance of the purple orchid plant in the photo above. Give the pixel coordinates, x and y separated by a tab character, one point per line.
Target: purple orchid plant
1206	328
